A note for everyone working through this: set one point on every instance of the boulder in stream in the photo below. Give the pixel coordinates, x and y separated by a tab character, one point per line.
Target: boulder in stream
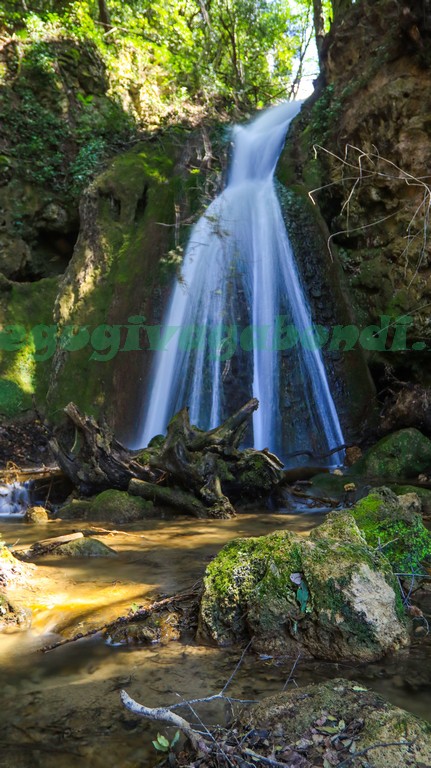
36	515
329	595
328	723
110	506
397	457
85	547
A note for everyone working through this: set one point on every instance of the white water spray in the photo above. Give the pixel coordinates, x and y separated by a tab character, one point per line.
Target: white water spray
238	267
14	499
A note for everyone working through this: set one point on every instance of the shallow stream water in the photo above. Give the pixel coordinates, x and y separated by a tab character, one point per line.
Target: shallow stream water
62	709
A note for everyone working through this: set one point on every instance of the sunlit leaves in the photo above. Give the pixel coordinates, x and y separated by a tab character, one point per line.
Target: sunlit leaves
238	53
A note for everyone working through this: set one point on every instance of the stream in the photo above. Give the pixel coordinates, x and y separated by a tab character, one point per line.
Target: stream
61	708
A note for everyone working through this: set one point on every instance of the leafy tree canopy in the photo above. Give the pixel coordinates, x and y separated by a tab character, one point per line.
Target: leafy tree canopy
232	55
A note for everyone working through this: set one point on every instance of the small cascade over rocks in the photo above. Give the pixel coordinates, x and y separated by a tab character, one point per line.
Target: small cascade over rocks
14	498
230	311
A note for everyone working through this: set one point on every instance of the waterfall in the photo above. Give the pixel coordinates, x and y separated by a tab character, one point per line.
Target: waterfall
14	498
238	282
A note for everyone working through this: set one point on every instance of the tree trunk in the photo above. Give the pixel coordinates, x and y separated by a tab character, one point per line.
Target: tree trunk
104	15
319	26
340	8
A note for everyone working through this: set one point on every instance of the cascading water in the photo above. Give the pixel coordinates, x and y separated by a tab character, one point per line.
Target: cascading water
14	498
239	286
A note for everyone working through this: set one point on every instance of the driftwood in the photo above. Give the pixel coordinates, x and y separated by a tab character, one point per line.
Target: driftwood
201	473
95	460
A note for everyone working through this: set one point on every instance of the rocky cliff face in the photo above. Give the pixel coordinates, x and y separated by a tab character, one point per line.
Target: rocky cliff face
362	149
86	241
74	260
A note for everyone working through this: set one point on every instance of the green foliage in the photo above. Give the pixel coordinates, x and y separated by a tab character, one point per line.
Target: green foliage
404	540
54	139
162	744
229	53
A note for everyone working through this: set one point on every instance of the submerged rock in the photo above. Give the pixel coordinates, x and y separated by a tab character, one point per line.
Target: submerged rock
394	524
334	720
157	628
85	547
109	507
330	596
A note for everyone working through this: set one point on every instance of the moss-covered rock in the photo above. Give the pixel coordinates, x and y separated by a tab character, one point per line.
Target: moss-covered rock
109	507
330	595
85	547
348	712
394	524
399	456
24	369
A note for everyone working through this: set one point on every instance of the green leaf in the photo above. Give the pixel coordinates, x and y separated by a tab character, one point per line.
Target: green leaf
175	739
162	740
158	746
359	688
302	595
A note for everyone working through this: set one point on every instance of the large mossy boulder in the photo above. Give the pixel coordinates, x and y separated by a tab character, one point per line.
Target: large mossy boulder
397	457
330	596
108	507
394	525
327	724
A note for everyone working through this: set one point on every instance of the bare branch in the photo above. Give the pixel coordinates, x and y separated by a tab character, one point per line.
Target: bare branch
161	714
374	746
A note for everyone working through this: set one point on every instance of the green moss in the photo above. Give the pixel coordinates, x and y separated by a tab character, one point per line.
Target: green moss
24	378
398	456
283	590
121	257
108	506
402	538
85	547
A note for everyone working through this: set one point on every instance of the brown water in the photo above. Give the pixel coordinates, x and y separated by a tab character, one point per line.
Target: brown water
61	709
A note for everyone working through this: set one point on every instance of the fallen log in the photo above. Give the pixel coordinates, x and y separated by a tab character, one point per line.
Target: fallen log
95	460
200	473
171	497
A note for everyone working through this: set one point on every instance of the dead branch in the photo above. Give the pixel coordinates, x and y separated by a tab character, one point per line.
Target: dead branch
161	714
365	751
